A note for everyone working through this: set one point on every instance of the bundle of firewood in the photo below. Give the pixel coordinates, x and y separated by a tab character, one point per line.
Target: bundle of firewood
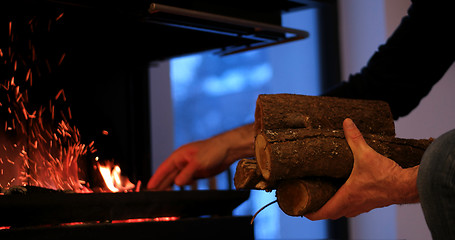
300	149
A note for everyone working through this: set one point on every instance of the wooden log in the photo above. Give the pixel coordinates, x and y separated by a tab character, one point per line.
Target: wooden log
295	197
298	197
300	145
407	152
278	111
248	176
298	153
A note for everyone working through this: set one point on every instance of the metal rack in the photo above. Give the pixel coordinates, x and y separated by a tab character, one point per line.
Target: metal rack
262	34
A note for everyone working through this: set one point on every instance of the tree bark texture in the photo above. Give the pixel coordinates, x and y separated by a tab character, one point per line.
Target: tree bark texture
296	153
277	111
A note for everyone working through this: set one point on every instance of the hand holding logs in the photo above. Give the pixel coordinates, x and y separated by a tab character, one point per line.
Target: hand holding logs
301	151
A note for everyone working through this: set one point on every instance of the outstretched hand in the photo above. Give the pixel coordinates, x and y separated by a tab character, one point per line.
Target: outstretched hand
203	159
375	181
189	162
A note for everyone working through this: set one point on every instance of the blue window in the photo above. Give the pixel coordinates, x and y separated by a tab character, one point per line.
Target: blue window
212	94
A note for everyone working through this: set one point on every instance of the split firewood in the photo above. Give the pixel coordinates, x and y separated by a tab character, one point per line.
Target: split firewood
280	111
295	197
248	176
298	197
301	150
297	153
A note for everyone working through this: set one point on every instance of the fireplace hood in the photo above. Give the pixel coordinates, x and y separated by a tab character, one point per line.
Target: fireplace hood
181	25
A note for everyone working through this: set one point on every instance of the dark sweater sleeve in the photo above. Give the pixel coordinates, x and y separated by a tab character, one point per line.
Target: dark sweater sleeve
416	56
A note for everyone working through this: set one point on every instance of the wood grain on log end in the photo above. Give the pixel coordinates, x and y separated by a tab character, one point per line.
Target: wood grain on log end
262	156
301	196
293	197
248	176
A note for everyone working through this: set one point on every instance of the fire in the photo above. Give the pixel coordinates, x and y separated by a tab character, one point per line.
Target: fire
113	179
38	145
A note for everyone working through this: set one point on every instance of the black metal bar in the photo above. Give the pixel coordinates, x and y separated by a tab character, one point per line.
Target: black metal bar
329	51
59	207
193	228
258	26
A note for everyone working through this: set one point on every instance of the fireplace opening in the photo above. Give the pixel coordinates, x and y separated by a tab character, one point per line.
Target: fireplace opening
74	93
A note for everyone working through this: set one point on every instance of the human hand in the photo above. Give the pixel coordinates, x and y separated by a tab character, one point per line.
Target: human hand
189	162
375	181
203	159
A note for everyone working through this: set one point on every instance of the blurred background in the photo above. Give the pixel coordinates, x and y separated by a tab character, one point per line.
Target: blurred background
210	94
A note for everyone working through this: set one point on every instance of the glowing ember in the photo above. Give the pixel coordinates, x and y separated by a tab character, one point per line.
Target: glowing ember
158	219
133	220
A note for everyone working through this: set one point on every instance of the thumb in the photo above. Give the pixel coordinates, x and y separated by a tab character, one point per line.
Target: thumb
353	136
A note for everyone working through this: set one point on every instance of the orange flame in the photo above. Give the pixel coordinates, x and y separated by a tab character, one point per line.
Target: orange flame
113	179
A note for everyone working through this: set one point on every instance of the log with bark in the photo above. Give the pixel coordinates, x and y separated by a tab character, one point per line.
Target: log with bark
296	153
281	111
299	192
297	197
301	151
248	176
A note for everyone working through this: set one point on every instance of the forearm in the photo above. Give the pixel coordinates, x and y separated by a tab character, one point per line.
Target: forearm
399	72
239	142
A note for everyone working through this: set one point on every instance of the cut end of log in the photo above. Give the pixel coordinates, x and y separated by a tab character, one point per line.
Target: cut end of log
262	156
248	176
293	198
258	124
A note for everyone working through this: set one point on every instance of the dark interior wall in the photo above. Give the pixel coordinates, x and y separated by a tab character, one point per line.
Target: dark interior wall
98	62
329	51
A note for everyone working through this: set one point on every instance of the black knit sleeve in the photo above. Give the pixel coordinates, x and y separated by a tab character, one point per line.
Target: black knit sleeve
416	56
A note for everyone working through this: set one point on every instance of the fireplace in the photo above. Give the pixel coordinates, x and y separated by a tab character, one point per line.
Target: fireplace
104	50
99	53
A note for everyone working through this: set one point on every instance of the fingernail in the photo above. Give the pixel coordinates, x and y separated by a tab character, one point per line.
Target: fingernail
348	123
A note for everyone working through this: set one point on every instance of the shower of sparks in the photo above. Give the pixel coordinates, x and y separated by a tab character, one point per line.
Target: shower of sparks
38	147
